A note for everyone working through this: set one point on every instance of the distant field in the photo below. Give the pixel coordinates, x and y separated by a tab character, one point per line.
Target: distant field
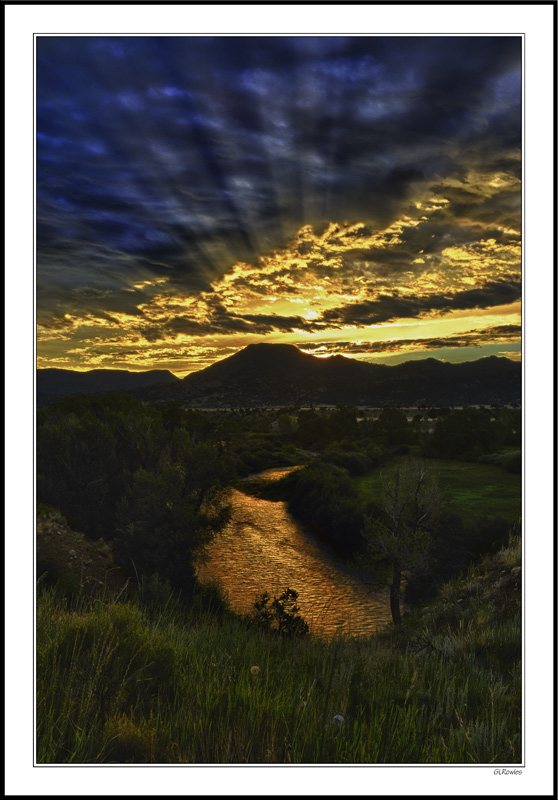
473	490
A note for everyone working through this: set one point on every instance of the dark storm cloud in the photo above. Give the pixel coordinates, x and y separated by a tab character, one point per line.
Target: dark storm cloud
220	320
170	157
386	308
495	333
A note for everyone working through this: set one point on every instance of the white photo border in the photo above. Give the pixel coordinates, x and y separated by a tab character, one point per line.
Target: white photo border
533	21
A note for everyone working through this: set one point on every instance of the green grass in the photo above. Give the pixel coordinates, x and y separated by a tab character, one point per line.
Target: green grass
117	683
473	490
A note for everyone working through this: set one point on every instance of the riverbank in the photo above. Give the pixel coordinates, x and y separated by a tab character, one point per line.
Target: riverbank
264	549
480	504
128	682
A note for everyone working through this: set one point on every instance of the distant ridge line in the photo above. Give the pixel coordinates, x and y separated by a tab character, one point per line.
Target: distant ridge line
264	374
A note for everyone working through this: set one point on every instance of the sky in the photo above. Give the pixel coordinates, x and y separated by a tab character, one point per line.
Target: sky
349	195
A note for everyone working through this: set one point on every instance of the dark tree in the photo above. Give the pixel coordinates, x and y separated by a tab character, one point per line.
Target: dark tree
398	540
392	427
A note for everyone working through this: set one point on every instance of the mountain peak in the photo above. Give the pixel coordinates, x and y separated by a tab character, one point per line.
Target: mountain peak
270	349
265	359
267	374
270	346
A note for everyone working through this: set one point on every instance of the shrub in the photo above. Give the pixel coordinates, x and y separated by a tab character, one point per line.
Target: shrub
324	496
455	546
163	520
65	584
355	463
281	615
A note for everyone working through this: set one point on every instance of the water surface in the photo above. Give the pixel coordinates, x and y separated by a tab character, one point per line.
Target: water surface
264	549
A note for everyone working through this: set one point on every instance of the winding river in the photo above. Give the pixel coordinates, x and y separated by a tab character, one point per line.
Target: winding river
264	549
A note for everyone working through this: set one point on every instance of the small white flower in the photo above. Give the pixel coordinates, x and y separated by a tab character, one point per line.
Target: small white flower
255	670
338	720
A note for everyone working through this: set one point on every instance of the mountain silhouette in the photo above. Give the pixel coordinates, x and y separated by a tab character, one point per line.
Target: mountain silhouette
282	375
53	383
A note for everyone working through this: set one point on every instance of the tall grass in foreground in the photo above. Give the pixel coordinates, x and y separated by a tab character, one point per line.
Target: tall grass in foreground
118	683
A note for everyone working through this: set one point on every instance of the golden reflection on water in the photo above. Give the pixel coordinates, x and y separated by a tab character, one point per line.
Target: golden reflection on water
264	549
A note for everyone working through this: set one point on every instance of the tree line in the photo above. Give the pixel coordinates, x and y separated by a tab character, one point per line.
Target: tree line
153	480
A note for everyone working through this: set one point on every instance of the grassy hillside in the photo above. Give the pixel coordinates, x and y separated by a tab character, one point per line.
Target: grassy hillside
125	681
476	490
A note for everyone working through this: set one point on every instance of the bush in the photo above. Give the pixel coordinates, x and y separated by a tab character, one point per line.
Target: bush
161	525
324	497
78	470
65	584
281	615
355	463
455	546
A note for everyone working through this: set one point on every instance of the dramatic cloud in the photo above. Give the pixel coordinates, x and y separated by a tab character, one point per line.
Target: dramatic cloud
390	307
196	193
499	333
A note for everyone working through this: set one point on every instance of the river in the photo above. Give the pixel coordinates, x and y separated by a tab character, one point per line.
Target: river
264	549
